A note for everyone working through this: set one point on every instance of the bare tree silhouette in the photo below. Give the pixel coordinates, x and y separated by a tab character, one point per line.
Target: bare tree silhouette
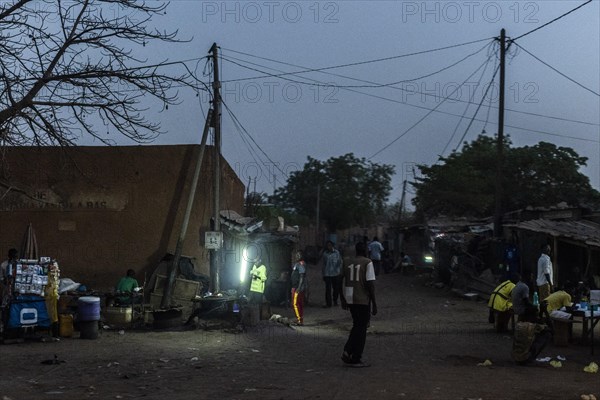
71	69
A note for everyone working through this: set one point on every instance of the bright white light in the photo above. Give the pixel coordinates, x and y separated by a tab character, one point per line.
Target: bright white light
243	266
428	259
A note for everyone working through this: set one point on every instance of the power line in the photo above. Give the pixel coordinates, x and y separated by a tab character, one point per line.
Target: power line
252	139
379	85
445	112
477	110
430	112
467	108
557	71
554	20
359	62
253	153
396	88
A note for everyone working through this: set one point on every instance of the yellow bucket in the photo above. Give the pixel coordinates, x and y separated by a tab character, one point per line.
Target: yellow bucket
65	325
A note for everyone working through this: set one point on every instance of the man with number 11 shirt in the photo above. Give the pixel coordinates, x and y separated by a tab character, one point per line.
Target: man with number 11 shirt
358	295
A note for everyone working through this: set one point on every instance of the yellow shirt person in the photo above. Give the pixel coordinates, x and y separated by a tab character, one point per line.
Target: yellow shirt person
557	300
500	299
257	284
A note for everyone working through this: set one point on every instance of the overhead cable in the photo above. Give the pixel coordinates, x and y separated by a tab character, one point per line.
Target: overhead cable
467	108
554	20
252	138
379	85
449	113
477	110
361	62
398	88
557	71
430	112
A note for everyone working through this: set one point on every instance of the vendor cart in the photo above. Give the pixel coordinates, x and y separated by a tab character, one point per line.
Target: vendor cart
25	306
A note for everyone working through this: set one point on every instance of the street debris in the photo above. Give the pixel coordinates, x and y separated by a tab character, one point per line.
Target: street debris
591	368
556	364
486	363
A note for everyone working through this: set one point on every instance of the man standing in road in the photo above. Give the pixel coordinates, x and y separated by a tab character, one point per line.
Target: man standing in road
332	269
299	286
257	284
375	249
544	273
358	295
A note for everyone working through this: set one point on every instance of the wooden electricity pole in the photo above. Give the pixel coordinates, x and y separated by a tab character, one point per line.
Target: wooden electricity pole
166	301
215	265
499	209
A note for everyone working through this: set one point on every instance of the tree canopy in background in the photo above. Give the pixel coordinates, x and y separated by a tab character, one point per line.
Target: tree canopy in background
70	69
463	184
352	191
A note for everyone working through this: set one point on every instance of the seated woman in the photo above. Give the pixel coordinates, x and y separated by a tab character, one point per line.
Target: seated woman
530	338
127	288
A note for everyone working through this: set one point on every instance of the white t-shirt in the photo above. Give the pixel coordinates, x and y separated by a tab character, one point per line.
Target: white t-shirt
375	249
544	267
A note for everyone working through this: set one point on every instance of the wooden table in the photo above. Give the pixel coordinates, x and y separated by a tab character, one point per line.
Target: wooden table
588	323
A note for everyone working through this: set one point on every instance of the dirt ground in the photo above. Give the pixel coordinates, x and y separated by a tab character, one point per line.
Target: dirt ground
425	343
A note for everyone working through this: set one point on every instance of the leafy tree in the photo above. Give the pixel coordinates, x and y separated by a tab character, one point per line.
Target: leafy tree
73	68
464	183
352	191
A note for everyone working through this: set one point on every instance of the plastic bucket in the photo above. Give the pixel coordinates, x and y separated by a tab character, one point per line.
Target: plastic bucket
88	308
88	329
65	328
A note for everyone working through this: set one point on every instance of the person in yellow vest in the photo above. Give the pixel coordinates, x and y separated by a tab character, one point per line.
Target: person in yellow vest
52	296
500	304
557	300
258	275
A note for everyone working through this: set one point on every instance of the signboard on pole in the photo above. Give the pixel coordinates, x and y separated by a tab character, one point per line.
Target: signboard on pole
213	240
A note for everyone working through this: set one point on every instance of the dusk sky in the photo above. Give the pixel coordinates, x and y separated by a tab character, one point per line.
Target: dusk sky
372	109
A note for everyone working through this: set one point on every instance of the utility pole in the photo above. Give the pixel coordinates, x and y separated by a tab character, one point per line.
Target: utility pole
402	199
174	266
499	210
318	214
215	266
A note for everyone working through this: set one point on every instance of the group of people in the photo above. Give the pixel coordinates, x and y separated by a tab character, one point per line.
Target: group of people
349	282
534	327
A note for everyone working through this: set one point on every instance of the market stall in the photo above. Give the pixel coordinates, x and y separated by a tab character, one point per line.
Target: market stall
31	298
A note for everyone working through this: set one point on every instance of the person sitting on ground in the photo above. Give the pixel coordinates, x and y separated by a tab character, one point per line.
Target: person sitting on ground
405	262
127	287
530	338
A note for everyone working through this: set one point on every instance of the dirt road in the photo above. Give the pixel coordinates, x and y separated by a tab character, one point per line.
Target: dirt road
425	343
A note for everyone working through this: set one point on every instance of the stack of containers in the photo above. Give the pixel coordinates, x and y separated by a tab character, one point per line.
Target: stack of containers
88	316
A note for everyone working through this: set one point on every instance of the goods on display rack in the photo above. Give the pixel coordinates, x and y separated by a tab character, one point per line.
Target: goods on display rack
30	286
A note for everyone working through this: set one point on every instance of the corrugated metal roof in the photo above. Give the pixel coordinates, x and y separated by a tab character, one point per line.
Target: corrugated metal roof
583	231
